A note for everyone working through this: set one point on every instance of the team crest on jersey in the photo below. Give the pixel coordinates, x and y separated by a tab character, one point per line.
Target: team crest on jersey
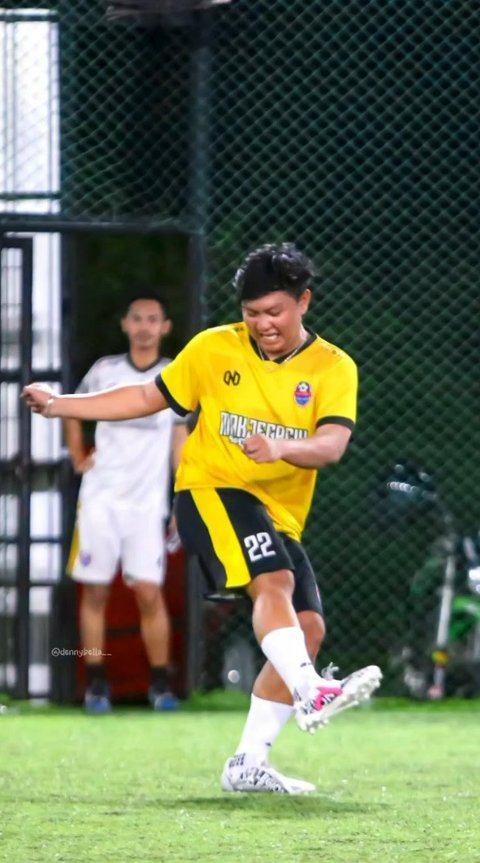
303	393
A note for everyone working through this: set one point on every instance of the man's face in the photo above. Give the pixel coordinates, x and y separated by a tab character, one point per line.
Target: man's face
275	321
145	325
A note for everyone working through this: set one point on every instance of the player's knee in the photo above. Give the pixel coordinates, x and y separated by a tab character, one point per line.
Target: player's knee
95	596
280	582
148	597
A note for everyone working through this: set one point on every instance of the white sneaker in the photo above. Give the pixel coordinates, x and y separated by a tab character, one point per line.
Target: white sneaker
333	696
244	773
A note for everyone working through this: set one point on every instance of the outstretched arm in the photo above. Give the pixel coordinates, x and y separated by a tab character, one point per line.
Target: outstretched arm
119	403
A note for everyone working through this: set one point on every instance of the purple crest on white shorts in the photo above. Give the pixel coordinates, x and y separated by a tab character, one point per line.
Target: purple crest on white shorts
85	558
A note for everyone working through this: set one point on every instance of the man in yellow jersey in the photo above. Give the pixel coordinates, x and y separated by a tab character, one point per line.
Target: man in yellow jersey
277	403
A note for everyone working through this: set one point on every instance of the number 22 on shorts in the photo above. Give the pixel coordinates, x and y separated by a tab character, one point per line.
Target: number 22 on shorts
259	545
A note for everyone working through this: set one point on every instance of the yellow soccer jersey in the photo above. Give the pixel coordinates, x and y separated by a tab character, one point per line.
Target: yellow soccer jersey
240	394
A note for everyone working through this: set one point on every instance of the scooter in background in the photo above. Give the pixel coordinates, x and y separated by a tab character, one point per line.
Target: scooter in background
442	656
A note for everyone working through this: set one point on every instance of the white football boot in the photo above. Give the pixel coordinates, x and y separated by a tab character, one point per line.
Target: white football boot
333	696
244	772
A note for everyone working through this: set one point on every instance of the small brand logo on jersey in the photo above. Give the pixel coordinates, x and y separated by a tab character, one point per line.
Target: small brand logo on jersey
85	558
231	378
303	393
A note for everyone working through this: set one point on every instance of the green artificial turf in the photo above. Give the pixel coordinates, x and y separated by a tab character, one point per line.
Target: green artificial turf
396	782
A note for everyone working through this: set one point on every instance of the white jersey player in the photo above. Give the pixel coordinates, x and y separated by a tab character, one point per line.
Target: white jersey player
124	504
124	496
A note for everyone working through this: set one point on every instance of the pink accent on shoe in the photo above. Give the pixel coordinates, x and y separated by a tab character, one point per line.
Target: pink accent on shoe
325	695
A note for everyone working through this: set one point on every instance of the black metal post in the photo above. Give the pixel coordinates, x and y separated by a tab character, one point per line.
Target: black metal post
199	167
197	275
25	450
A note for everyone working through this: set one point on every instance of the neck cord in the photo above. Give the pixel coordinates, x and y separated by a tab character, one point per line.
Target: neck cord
283	359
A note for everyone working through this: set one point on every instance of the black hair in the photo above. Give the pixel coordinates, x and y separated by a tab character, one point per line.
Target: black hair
144	294
273	267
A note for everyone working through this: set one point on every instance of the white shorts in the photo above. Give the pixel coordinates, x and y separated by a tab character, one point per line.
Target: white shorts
109	536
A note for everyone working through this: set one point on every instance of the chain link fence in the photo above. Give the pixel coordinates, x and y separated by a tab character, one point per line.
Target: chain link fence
350	128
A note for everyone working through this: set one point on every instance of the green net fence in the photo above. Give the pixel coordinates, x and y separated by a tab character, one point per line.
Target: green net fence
350	128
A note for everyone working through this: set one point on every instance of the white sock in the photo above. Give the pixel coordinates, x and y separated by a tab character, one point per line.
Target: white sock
286	650
264	723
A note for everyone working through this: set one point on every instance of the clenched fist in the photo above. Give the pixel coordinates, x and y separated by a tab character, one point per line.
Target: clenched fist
39	397
262	449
